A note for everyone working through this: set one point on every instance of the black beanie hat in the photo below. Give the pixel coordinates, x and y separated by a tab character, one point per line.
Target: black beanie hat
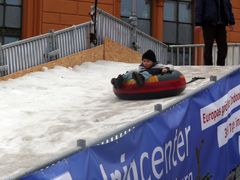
149	54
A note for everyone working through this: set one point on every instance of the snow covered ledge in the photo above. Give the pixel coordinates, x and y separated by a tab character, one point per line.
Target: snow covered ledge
110	50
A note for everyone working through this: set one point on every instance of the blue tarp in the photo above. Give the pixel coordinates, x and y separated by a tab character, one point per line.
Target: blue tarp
195	138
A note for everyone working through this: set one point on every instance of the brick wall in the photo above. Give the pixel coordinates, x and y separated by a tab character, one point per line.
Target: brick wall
39	16
58	14
235	36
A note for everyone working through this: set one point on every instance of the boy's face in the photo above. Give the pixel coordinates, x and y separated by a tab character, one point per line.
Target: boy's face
147	63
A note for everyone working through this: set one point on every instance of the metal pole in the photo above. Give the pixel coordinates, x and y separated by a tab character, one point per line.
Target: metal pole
52	51
93	33
133	22
134	8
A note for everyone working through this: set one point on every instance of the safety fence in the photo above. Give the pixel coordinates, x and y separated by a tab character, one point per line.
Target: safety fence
169	144
193	54
41	49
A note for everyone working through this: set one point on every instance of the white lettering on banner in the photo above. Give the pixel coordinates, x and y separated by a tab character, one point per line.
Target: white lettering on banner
157	162
104	176
162	159
144	155
228	129
65	176
216	111
187	177
239	145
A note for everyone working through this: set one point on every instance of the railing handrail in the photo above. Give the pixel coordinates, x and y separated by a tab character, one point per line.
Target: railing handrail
195	54
199	45
130	26
34	38
100	11
151	38
72	27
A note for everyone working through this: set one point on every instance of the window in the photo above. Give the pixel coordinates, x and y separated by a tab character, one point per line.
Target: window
10	20
143	14
178	23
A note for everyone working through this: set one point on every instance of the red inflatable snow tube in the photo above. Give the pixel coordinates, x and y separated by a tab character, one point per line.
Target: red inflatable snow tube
157	86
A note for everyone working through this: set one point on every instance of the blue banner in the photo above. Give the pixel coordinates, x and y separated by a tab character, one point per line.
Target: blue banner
195	139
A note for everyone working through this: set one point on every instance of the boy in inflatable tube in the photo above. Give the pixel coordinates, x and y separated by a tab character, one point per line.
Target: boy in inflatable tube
146	69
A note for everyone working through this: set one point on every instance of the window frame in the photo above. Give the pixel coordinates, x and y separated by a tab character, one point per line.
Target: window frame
178	22
10	32
123	17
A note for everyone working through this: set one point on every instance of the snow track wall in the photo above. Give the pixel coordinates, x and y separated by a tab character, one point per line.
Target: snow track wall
195	138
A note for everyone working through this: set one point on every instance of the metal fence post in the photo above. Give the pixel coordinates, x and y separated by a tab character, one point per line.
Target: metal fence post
133	22
1	54
213	78
158	107
74	39
93	26
81	143
3	66
171	55
52	48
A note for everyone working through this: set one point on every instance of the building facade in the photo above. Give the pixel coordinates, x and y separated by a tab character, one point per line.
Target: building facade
171	21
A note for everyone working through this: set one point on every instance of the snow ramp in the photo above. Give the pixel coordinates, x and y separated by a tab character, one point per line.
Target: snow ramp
170	143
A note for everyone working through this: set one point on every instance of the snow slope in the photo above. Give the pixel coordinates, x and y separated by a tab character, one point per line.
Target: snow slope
43	114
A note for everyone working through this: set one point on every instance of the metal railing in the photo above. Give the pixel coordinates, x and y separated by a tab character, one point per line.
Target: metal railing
73	39
41	49
121	32
193	54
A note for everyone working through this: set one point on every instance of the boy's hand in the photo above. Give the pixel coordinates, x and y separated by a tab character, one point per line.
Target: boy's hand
165	70
231	27
198	28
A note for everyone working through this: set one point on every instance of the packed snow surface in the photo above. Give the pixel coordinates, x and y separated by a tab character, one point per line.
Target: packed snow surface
43	114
